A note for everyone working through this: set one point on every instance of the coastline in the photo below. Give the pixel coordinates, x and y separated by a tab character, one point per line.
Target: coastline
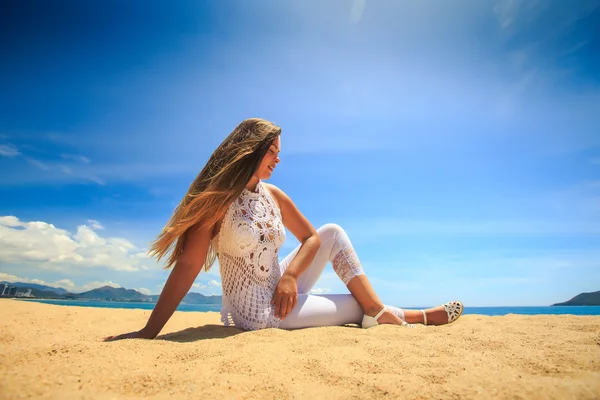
194	307
58	352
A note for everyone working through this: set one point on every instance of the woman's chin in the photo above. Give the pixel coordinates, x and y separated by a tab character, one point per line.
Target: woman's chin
265	176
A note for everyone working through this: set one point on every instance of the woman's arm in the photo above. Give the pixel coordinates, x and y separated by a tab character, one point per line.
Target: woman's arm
186	269
302	229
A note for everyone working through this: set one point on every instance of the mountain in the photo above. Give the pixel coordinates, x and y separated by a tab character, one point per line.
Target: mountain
583	299
193	298
108	293
114	294
36	286
46	294
197	298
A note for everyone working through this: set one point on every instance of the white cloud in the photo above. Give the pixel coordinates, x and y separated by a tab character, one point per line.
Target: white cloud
96	284
95	224
357	10
203	284
207	284
51	167
329	282
507	12
57	172
74	157
10	221
214	283
320	291
144	291
45	246
37	163
13	278
9	150
66	284
206	287
65	170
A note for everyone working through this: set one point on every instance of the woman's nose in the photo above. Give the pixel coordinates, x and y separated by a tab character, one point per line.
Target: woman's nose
277	160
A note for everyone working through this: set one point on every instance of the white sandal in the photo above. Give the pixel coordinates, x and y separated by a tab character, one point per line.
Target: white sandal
369	322
454	309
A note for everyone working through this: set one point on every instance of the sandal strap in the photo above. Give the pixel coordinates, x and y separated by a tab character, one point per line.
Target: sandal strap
424	317
380	313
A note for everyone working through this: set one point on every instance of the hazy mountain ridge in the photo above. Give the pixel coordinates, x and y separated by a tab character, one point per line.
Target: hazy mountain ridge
111	293
107	293
583	299
37	287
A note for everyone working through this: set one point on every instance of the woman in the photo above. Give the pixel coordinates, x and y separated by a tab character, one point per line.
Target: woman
230	213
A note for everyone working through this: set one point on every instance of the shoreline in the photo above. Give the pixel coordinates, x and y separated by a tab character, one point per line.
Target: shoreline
194	307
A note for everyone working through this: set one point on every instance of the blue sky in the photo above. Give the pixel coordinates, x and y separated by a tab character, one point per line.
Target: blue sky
456	142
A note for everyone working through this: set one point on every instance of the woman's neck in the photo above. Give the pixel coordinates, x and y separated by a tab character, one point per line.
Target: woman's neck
251	186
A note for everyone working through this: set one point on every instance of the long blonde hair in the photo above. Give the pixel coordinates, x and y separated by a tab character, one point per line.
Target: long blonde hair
222	180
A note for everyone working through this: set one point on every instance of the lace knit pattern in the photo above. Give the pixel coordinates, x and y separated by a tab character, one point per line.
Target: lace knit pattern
247	247
346	264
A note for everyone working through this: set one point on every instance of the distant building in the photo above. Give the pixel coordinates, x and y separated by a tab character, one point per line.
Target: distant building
7	290
26	293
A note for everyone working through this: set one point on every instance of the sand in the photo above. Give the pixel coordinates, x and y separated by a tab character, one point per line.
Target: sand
57	352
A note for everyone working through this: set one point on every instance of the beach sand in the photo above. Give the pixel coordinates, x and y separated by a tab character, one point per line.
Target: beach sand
57	352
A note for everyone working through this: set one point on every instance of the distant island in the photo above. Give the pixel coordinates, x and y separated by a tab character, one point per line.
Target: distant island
583	299
105	293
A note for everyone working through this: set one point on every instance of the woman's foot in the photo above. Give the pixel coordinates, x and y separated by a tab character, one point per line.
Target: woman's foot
386	316
443	314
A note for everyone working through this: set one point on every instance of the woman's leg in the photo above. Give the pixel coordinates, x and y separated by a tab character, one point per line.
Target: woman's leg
337	248
307	280
323	310
327	310
333	241
347	266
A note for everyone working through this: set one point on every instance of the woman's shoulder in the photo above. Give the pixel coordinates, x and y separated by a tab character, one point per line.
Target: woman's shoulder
276	193
270	186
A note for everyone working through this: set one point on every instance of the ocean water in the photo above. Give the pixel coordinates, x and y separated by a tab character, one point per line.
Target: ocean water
490	311
127	304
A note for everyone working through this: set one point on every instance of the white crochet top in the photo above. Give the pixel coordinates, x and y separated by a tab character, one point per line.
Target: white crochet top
247	247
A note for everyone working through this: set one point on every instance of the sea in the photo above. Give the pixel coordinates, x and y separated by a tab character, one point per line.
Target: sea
490	311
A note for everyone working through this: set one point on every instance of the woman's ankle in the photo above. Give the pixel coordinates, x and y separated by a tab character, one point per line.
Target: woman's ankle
373	310
389	317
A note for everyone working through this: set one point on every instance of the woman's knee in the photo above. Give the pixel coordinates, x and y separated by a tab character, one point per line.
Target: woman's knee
329	230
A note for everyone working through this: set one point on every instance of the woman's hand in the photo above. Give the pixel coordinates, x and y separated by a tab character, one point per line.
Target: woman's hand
286	296
141	334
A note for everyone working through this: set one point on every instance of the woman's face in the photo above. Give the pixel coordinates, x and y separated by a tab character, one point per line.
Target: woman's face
270	160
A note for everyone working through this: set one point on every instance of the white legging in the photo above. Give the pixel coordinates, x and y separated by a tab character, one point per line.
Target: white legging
329	309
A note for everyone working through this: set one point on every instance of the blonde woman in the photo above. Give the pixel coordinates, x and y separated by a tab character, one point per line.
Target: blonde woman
231	214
